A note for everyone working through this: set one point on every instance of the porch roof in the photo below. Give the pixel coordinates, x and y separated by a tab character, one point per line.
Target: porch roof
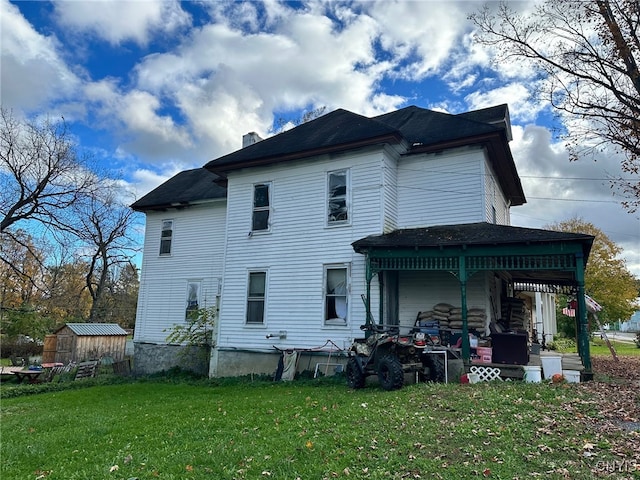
520	255
527	255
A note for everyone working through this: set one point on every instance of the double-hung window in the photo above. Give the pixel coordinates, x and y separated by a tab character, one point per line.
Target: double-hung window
256	296
261	207
336	294
166	237
193	297
338	197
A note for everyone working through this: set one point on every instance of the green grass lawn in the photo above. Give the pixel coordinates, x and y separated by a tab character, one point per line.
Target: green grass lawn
598	346
305	430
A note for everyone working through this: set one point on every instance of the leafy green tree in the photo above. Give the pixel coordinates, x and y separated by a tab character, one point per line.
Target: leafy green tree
121	297
21	287
67	299
607	279
196	335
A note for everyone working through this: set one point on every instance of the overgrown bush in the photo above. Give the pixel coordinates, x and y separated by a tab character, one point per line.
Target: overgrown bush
25	350
196	337
638	339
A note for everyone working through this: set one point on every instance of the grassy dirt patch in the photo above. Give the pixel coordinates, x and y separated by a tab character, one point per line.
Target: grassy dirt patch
322	430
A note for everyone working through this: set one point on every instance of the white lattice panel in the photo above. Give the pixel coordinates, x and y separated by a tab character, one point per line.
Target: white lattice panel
486	374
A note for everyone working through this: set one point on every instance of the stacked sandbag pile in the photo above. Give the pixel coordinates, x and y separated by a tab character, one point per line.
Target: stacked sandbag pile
515	311
476	318
427	320
442	313
449	316
455	318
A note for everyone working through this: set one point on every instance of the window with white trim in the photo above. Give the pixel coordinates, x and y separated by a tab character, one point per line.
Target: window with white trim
256	295
193	297
338	197
261	207
336	294
166	237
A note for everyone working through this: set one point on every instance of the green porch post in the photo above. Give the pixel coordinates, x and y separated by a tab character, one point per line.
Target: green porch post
380	298
462	277
582	324
367	300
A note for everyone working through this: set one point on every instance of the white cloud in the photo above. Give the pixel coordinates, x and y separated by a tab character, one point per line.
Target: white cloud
516	95
143	180
135	115
120	21
32	72
421	33
557	189
227	82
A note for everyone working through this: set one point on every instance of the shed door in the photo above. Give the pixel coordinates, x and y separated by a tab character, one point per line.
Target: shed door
64	353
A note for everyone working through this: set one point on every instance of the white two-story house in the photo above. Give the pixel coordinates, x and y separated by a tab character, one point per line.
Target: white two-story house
299	238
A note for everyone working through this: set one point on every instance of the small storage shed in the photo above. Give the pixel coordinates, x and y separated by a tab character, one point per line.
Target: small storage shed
77	342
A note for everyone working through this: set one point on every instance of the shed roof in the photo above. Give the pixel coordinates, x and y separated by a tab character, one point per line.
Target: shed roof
95	329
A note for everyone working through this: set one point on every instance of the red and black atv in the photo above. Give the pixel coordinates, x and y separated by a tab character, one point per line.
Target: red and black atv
390	355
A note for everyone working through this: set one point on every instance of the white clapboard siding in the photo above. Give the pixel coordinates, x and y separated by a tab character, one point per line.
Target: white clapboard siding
494	198
420	291
390	194
197	254
296	249
441	189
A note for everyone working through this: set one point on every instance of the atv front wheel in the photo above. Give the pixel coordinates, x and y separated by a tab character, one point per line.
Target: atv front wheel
390	373
436	368
355	376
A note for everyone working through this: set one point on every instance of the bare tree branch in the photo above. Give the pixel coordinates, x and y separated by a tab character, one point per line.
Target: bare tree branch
587	52
41	174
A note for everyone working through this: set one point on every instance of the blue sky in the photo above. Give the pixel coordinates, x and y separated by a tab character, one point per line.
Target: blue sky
153	87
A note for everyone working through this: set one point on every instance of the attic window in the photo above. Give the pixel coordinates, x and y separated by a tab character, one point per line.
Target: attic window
166	237
337	201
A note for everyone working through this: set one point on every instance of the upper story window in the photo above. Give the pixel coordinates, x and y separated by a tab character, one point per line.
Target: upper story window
166	237
256	296
261	207
338	197
336	294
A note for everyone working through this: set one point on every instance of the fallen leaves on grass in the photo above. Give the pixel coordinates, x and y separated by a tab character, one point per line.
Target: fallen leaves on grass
613	398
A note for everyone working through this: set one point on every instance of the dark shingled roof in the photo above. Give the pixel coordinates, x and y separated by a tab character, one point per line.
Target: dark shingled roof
497	115
426	127
468	234
329	132
342	128
416	130
186	188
